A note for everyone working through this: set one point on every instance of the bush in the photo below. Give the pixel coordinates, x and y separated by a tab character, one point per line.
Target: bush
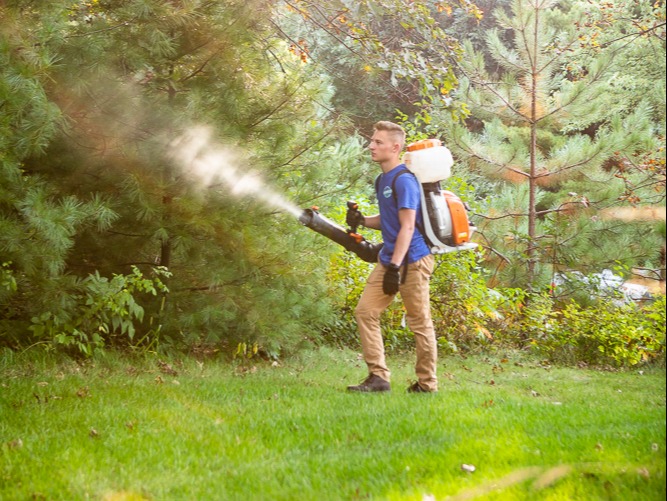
605	333
461	304
468	317
103	308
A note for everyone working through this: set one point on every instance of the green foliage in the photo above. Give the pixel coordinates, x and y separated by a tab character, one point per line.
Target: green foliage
93	94
7	280
104	310
381	55
562	145
461	302
468	317
98	188
605	334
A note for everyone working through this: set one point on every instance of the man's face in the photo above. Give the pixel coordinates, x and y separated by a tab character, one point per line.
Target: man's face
382	146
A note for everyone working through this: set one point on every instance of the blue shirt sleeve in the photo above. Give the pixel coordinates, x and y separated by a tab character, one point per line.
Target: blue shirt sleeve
407	192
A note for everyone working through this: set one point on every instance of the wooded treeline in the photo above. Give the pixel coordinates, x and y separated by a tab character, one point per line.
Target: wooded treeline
555	112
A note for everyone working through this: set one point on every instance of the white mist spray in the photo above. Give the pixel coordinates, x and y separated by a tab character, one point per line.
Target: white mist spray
211	164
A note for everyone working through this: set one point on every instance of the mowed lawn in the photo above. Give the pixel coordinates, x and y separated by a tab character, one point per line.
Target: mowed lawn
501	427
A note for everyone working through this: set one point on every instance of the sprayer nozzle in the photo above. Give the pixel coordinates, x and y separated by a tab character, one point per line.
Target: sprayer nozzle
306	217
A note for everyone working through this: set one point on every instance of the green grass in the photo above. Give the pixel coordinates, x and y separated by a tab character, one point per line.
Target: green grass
120	429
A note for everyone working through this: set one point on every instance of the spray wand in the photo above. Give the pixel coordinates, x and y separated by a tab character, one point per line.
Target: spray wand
350	239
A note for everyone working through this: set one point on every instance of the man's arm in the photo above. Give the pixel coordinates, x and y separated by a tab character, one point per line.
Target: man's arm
372	222
407	219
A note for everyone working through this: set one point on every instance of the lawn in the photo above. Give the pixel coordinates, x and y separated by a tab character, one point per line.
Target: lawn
501	427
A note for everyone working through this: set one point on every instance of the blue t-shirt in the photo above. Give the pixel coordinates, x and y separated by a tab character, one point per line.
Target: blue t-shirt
408	196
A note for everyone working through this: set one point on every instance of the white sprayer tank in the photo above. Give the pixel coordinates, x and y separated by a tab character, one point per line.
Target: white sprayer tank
429	160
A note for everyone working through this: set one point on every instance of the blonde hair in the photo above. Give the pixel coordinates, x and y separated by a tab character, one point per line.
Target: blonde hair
394	130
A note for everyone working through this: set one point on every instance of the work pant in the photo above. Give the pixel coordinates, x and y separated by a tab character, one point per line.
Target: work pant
416	298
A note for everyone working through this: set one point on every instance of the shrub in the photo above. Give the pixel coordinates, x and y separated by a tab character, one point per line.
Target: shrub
605	333
103	308
461	304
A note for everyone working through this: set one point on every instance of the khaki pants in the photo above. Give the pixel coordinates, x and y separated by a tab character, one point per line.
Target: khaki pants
415	295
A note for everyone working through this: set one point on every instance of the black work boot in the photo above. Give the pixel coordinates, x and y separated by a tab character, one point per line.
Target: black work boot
372	383
417	388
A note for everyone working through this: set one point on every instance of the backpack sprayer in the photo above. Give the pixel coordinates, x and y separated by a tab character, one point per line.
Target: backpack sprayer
446	227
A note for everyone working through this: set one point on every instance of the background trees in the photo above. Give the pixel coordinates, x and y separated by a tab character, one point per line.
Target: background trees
103	90
549	124
564	124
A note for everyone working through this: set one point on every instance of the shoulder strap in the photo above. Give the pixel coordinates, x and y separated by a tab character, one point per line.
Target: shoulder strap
393	182
393	191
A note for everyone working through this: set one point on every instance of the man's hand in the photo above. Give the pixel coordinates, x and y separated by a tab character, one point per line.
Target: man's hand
354	217
392	278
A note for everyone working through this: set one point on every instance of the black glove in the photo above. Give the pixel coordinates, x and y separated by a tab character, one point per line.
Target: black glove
392	278
354	217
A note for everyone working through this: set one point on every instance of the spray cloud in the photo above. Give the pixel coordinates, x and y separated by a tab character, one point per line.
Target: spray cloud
211	164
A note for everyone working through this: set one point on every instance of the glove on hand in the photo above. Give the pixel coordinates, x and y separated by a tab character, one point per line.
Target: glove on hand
392	278
354	218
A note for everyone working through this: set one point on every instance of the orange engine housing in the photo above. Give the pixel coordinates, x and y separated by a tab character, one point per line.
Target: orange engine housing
460	225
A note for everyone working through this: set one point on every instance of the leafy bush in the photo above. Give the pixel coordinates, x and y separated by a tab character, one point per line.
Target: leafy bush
103	308
605	334
461	304
468	316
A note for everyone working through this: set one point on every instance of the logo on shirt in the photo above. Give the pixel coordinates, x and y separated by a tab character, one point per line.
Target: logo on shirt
387	192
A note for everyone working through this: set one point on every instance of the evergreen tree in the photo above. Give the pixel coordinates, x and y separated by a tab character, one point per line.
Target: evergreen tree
131	77
541	130
382	56
38	225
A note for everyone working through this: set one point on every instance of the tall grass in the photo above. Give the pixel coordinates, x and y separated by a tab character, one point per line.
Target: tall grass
122	429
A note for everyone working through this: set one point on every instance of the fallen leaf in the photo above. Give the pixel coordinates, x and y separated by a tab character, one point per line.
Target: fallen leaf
15	444
643	472
534	393
165	368
93	433
83	392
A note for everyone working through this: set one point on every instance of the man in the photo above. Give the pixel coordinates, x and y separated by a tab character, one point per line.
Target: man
405	265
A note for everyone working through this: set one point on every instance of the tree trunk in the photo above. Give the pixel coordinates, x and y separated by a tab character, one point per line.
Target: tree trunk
532	209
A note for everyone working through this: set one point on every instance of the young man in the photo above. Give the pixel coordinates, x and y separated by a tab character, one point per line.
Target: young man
405	265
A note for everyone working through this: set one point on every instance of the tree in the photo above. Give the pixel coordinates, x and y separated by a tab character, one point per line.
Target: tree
106	89
539	129
382	56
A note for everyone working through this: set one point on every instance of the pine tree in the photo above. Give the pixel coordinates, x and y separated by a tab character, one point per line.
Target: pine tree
132	77
538	127
38	225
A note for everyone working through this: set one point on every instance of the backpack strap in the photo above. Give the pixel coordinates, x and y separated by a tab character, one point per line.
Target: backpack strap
393	192
393	183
